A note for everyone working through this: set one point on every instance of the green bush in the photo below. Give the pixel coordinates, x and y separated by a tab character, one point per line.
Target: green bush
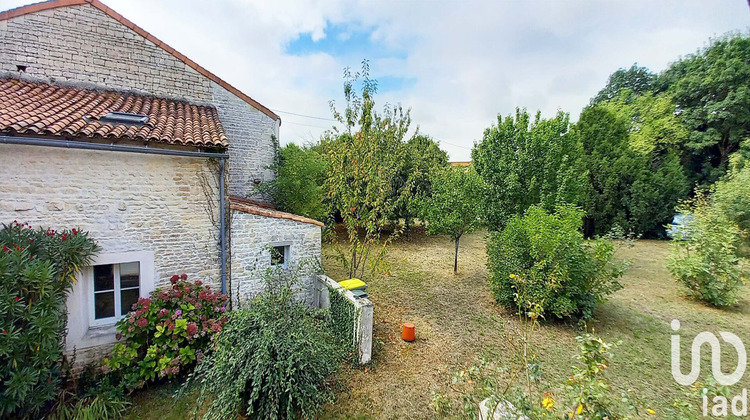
541	260
271	361
166	335
707	262
37	270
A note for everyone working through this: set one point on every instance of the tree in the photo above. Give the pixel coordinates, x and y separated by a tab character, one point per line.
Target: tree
711	89
422	157
298	186
526	163
362	167
637	80
454	206
635	177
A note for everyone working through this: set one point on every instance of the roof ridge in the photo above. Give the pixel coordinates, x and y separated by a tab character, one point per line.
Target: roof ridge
54	4
244	205
93	87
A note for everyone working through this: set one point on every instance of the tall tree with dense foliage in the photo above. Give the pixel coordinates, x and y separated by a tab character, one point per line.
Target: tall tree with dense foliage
636	80
362	168
298	186
527	162
711	89
454	205
421	157
631	152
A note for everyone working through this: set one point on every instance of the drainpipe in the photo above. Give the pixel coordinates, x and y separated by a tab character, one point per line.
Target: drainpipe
223	234
70	144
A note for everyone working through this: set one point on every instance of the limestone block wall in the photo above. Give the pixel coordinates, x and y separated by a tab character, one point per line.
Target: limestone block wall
83	45
251	236
250	158
127	201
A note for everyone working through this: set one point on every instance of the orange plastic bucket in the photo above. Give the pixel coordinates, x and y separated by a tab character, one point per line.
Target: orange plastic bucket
407	332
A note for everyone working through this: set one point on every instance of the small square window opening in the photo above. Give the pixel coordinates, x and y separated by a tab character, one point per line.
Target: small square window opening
280	256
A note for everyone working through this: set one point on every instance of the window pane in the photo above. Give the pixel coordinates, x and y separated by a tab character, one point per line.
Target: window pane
130	274
104	277
104	305
128	298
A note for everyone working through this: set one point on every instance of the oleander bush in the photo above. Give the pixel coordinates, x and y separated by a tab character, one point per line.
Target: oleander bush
37	268
167	334
543	258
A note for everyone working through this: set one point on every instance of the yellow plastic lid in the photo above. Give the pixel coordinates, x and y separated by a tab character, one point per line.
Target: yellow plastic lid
352	284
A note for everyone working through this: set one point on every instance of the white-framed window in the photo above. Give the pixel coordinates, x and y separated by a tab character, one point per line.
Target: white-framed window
103	292
116	288
114	282
280	255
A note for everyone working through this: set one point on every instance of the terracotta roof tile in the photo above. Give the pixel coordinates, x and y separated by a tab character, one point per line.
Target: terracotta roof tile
42	109
249	206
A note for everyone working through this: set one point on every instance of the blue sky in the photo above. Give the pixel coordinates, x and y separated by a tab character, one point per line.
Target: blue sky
350	43
456	64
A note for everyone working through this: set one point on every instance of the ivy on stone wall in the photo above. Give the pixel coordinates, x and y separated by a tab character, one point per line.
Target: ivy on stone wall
344	316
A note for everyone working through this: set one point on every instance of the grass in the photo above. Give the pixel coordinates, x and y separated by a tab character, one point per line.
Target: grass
457	322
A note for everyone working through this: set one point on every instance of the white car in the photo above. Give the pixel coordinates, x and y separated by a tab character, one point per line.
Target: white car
677	229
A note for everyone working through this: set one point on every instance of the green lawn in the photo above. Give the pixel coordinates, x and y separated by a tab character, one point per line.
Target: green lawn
457	322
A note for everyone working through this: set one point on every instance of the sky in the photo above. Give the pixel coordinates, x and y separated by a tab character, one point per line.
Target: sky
456	64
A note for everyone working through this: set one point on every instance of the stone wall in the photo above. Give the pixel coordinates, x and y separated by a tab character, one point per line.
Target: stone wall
251	237
248	159
128	202
84	45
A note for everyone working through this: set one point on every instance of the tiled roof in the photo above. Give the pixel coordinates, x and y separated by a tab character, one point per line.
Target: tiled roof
53	4
258	209
42	109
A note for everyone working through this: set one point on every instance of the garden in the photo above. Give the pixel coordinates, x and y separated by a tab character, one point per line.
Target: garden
539	278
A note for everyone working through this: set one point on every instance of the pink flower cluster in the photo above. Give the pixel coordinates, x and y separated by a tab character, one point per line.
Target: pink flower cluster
183	315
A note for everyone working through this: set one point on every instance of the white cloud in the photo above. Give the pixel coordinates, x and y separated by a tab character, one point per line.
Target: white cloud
471	60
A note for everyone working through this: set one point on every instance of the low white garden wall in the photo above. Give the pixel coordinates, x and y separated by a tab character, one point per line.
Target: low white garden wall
360	311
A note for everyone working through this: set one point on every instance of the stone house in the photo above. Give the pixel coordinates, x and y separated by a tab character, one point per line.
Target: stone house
105	128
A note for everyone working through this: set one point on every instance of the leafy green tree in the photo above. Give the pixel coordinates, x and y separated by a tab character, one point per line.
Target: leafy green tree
528	162
711	89
731	198
362	167
636	80
422	157
635	177
454	206
298	187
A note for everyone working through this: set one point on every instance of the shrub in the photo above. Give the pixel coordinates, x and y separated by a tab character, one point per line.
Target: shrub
37	270
165	335
271	361
542	259
707	263
91	395
591	394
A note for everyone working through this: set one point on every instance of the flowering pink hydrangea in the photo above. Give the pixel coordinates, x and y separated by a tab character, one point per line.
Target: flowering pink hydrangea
176	324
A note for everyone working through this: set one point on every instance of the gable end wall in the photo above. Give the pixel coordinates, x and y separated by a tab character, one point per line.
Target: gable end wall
84	44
